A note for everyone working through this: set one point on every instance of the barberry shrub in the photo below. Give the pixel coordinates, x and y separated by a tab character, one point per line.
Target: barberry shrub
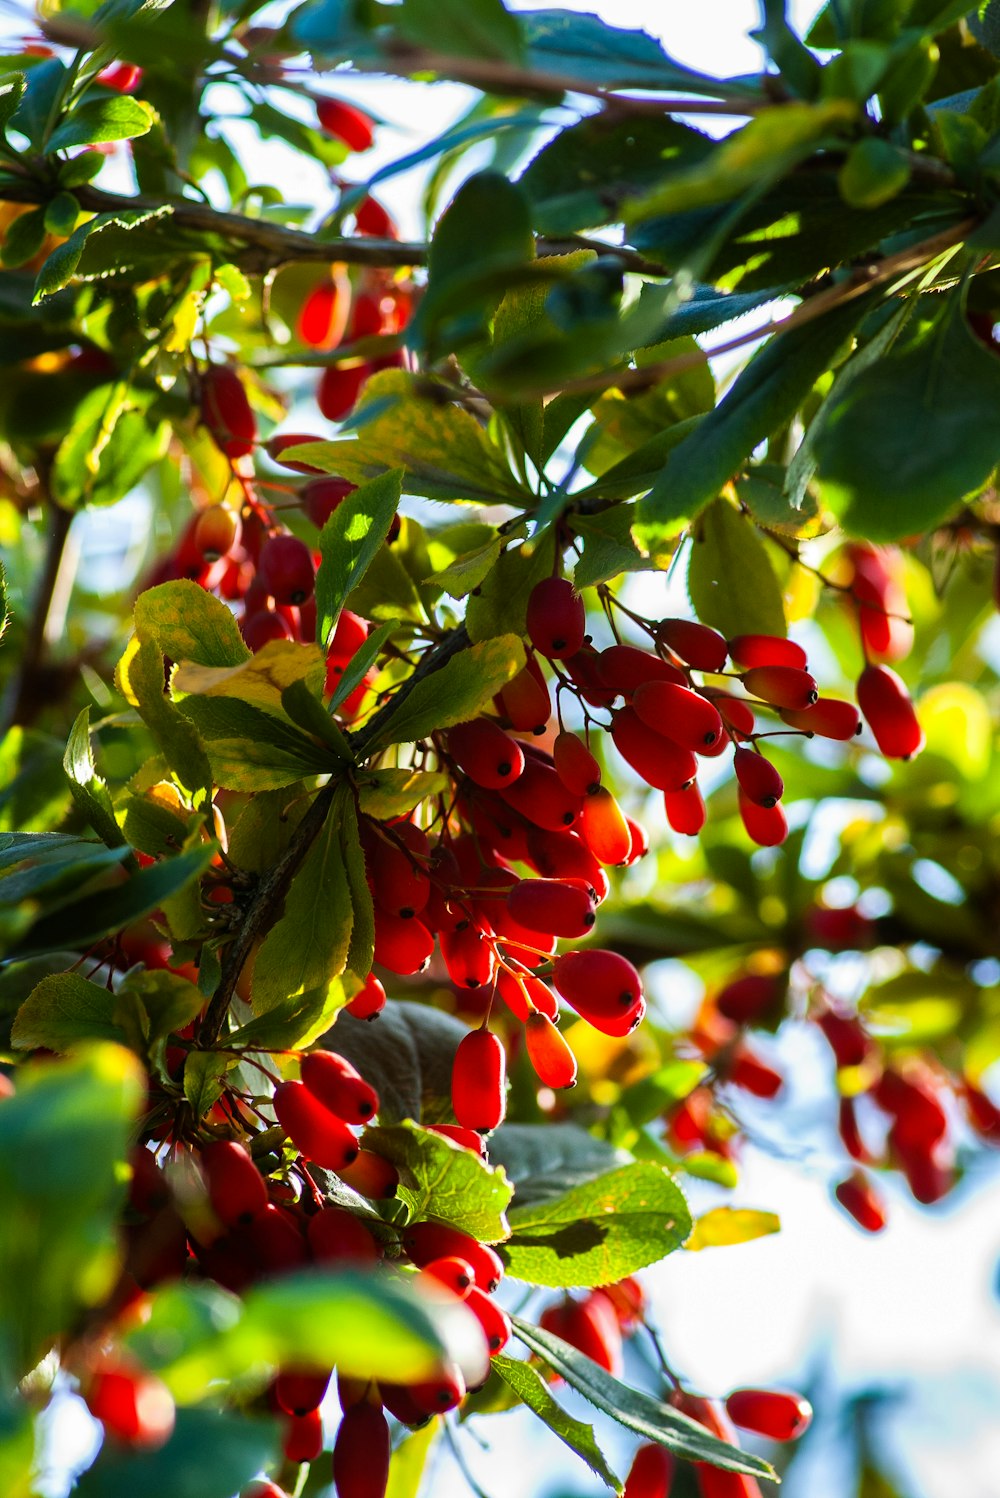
363	759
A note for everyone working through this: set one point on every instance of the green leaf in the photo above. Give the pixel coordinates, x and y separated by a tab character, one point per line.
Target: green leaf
170	1001
23	238
873	172
43	85
61	214
204	1072
260	679
531	1389
370	1325
462	28
608	548
63	1141
914	434
588	49
309	944
409	1458
249	749
460	690
67	259
90	791
394	793
11	92
546	1160
361	951
63	1010
109	448
467	269
294	1023
440	1179
765	396
443	448
361	662
119	118
600	1231
81	922
209	1455
581	177
189	624
725	1225
348	544
501	605
731	582
638	1412
305	708
407	1056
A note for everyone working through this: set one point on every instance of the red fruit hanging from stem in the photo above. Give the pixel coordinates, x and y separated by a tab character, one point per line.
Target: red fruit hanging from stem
886	704
556	619
479	1081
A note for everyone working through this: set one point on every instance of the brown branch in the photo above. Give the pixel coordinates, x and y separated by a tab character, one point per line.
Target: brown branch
265	908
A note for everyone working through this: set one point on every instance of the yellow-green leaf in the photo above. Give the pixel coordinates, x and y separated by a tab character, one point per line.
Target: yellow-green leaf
725	1225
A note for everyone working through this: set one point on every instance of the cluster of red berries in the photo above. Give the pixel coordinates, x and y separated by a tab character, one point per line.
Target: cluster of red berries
911	1101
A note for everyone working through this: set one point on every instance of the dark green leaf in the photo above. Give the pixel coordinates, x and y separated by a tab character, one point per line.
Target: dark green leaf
608	548
406	1055
638	1412
765	396
349	542
117	118
84	921
393	793
361	661
203	1079
588	49
600	1231
546	1160
90	791
462	28
250	749
442	1180
460	690
914	435
309	944
11	92
731	582
44	83
501	604
23	238
64	1010
532	1390
361	952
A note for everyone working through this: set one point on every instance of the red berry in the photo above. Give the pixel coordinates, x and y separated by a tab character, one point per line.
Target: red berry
734	712
320	497
339	388
660	762
766	650
398	874
488	756
335	1234
437	1396
781	686
775	1413
226	411
123	77
589	1325
549	1053
427	1241
886	704
685	809
303	1440
540	796
525	700
747	998
454	1273
274	1241
299	1393
339	1086
494	1322
466	1139
759	780
880	601
216	532
983	1113
849	1131
403	946
564	855
557	907
323	316
556	618
766	825
346	123
625	668
913	1101
650	1474
605	828
858	1196
261	627
696	644
679	714
134	1407
236	1187
319	1134
479	1081
829	717
469	956
350	634
276	447
846	1036
584	670
640	842
286	569
370	1001
747	1071
576	767
372	1175
602	987
371	218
